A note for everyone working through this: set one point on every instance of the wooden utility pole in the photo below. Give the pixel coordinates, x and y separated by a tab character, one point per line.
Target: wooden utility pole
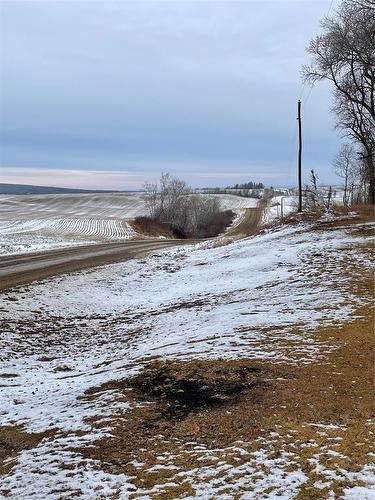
299	157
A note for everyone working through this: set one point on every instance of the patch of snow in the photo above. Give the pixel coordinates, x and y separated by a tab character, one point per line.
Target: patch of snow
280	206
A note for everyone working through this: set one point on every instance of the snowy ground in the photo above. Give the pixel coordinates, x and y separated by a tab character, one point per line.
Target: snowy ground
280	206
257	298
36	235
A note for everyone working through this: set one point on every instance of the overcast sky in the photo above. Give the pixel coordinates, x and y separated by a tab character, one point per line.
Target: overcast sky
109	94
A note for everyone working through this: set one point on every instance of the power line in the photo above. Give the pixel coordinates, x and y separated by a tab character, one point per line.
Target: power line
309	94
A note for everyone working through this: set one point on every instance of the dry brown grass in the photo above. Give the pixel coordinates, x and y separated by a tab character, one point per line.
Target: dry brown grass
364	211
148	227
14	439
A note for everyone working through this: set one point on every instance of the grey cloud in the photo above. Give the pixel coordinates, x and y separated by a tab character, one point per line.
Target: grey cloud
87	84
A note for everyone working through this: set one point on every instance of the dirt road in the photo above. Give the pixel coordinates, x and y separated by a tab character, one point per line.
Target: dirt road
251	221
24	268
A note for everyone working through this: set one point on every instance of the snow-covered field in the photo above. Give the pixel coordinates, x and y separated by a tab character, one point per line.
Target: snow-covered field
235	203
41	234
38	222
72	206
260	298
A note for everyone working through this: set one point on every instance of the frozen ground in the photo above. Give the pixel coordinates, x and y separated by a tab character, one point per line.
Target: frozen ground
71	206
257	298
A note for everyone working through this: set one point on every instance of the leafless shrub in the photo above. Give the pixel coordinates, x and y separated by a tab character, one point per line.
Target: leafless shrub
170	202
346	167
316	197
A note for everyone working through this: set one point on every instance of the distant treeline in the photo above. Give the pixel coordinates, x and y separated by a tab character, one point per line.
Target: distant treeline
247	185
248	189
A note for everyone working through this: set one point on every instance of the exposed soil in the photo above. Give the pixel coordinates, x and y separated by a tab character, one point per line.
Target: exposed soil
14	439
190	385
182	387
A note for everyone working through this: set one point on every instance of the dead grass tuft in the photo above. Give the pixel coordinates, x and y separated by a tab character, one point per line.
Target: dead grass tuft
14	439
149	227
363	211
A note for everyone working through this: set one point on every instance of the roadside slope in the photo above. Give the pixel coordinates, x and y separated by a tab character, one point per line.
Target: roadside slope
116	357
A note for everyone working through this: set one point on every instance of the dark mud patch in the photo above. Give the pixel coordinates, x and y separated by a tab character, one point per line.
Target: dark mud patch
183	387
177	402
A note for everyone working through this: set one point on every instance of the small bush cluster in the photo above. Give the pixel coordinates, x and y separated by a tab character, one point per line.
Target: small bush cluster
210	228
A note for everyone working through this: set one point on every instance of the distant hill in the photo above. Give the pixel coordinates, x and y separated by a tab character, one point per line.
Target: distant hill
27	189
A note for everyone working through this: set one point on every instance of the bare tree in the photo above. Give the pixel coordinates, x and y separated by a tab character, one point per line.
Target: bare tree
346	167
151	197
344	54
359	127
163	199
364	4
171	201
200	210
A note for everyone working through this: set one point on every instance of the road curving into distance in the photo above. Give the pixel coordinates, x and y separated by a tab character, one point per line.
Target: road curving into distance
251	220
25	268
